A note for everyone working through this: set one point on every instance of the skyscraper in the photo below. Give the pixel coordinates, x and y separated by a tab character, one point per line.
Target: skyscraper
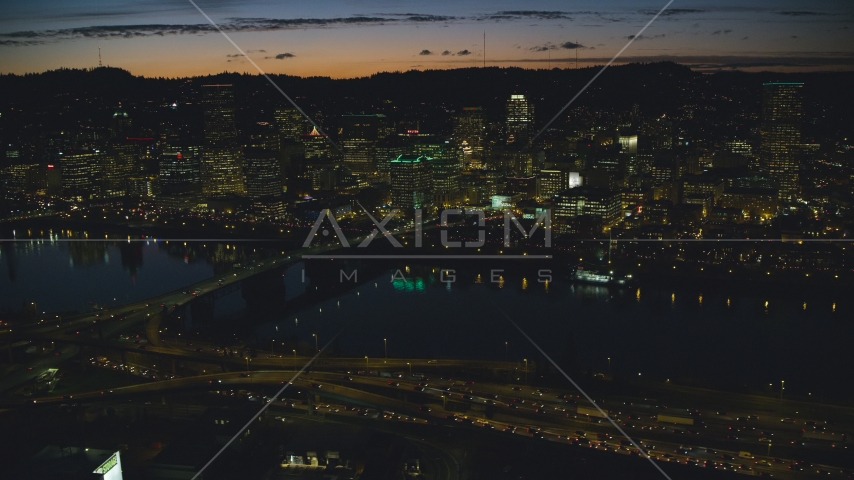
469	133
180	181
359	137
780	132
120	123
264	182
221	166
219	115
79	173
520	120
411	183
262	169
290	123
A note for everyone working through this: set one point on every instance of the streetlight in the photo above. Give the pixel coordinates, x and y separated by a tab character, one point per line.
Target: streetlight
609	364
385	347
410	370
782	387
316	349
295	360
272	344
526	370
505	350
366	365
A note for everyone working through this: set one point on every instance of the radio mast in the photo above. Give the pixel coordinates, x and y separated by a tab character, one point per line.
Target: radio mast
99	58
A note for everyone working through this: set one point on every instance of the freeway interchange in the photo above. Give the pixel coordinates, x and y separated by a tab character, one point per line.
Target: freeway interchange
514	410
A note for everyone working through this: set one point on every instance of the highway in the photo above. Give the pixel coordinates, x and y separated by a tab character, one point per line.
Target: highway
515	410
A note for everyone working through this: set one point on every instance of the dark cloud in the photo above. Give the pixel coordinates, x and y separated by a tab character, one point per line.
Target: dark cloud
542	48
520	14
464	52
571	45
646	37
420	17
149	30
724	32
799	13
446	52
425	52
673	11
281	56
232	55
256	51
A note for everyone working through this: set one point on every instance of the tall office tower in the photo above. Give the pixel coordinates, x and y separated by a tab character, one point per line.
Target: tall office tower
780	134
219	115
520	120
118	164
120	123
316	144
290	123
469	133
79	172
446	182
180	182
359	137
411	183
263	135
387	150
263	182
222	172
262	172
221	166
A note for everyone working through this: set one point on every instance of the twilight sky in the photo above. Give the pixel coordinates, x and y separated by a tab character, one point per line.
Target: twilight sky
345	38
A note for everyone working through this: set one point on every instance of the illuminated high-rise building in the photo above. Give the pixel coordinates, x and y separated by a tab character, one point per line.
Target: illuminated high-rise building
221	167
411	182
219	115
469	134
120	123
780	134
179	181
359	137
263	182
79	173
520	120
117	165
290	123
222	172
262	171
316	144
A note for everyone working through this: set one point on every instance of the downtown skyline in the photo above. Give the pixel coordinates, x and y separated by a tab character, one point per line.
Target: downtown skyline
341	39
